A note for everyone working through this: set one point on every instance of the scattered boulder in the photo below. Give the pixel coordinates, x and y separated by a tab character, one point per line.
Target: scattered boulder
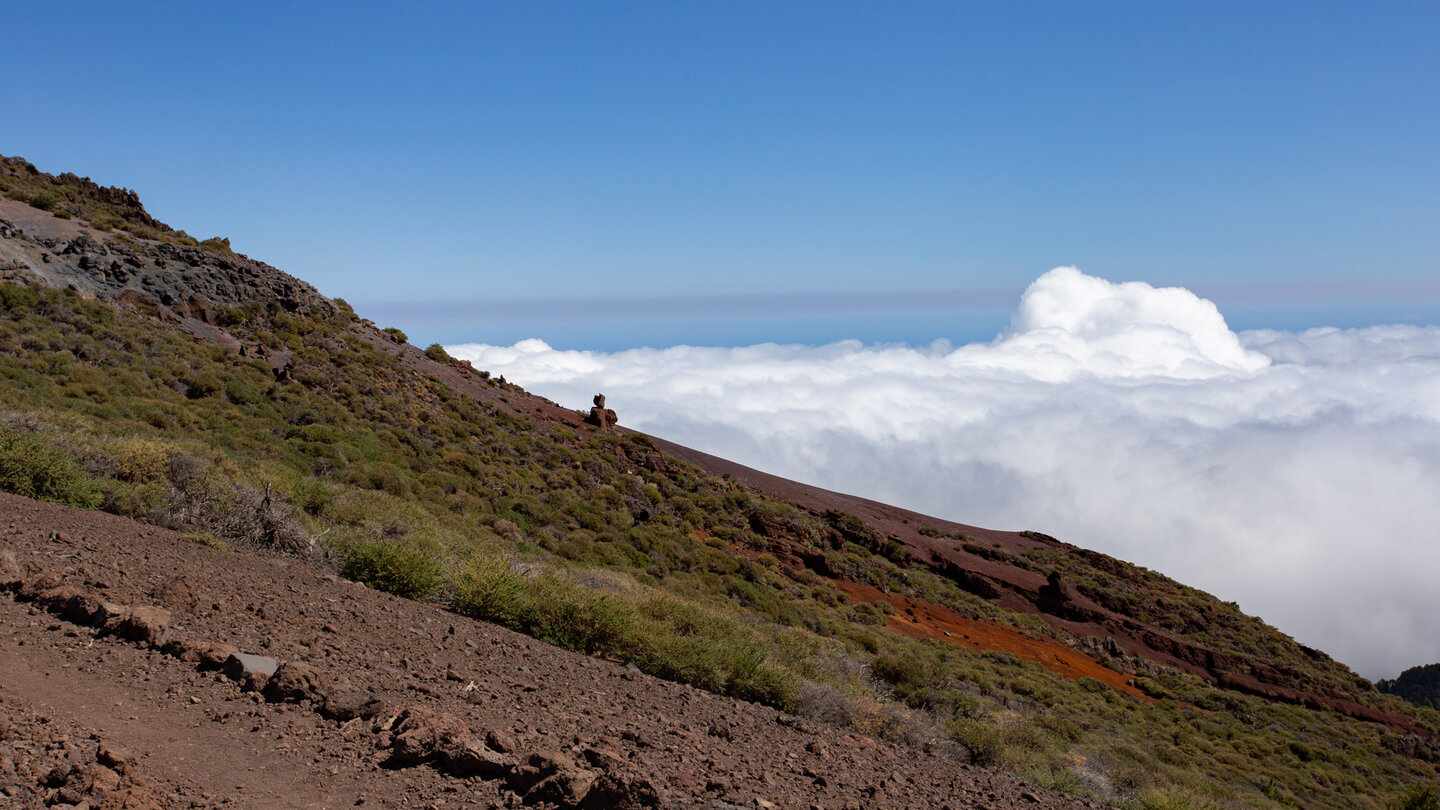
11	574
500	741
474	758
616	792
252	671
114	757
71	604
32	588
346	706
176	593
293	682
213	655
419	735
144	623
566	787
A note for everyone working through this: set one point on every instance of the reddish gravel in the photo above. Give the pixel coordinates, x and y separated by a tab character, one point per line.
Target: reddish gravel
486	717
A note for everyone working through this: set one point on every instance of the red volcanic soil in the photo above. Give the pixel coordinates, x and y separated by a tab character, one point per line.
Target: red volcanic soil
116	689
920	619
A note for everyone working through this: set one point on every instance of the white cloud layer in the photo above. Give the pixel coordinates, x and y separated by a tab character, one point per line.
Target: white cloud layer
1297	473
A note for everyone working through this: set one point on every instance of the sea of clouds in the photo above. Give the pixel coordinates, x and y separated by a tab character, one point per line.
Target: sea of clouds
1295	473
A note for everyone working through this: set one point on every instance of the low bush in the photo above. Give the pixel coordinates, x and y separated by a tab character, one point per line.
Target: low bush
31	466
489	588
1419	798
140	460
397	568
985	743
1172	799
46	200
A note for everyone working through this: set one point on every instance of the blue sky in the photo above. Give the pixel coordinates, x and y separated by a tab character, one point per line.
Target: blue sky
731	173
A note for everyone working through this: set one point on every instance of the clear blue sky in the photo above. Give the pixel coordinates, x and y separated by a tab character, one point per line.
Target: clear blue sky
768	171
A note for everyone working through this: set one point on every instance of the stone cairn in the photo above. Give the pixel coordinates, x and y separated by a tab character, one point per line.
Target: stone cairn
601	416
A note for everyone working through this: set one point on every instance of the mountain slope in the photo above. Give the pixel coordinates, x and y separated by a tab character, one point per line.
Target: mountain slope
194	388
648	742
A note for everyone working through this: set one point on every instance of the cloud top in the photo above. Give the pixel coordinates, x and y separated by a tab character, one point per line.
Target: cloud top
1292	472
1124	330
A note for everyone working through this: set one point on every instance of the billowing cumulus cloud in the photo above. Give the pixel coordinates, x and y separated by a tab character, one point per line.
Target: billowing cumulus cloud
1296	473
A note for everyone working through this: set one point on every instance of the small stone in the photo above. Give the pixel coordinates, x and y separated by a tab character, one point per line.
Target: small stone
500	741
474	758
103	780
567	787
293	682
347	706
176	592
11	574
114	757
252	671
147	624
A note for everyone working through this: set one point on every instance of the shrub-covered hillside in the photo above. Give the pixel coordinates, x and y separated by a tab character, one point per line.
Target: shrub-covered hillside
1419	685
288	423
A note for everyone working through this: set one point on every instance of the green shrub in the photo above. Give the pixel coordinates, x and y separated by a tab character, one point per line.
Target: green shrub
31	466
905	671
133	500
437	353
45	200
1172	799
489	588
985	743
313	495
1419	798
203	384
568	615
403	570
18	296
240	394
141	460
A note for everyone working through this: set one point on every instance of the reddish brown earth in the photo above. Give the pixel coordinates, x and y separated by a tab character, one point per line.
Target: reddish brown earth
465	714
920	619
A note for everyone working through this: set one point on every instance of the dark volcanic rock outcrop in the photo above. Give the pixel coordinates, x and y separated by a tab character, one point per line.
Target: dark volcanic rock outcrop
185	282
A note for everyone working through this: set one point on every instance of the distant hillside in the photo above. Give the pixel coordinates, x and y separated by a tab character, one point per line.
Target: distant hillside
197	389
1419	685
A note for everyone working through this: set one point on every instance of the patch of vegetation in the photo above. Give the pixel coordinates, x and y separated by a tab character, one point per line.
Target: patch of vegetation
33	466
402	569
